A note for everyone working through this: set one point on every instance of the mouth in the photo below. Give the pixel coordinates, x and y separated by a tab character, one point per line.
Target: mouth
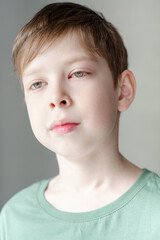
63	126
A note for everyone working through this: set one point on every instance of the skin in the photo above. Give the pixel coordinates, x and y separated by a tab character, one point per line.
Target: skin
90	164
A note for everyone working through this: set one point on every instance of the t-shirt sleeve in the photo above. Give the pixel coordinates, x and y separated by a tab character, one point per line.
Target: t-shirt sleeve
3	225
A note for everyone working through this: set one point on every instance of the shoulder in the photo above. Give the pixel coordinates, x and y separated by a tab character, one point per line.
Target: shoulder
153	185
17	215
24	198
145	196
151	188
152	200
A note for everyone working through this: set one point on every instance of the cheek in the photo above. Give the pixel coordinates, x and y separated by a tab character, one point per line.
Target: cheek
35	116
37	122
101	106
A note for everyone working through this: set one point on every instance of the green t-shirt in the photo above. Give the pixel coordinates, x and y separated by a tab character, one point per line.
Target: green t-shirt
133	216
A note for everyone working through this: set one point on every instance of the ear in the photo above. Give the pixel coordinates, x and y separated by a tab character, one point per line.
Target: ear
126	91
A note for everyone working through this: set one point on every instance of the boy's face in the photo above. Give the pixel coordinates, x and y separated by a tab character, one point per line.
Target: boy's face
66	71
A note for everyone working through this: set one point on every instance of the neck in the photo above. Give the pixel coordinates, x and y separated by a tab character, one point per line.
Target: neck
102	168
91	173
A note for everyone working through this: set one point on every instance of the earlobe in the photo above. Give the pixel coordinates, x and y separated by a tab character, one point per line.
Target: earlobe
126	90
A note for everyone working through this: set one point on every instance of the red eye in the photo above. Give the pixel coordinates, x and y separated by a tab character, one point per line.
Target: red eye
78	74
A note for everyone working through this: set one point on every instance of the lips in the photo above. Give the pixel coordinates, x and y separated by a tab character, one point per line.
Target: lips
63	126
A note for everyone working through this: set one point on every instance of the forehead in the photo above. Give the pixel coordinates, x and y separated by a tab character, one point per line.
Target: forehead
70	44
38	43
67	48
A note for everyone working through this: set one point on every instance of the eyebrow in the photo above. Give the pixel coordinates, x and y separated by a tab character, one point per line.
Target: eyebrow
83	58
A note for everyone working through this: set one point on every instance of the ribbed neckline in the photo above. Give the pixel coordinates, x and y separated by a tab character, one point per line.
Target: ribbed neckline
94	214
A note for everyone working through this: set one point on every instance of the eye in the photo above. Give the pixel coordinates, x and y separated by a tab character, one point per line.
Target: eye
37	85
78	74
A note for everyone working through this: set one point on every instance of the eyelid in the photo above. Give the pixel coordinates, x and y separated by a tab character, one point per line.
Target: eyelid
80	71
36	82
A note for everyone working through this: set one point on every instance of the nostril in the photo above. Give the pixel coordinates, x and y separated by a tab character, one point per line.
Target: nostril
52	105
63	102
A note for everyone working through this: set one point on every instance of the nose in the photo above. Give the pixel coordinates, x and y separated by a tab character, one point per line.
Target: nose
59	93
63	101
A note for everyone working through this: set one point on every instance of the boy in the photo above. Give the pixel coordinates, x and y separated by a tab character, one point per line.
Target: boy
72	65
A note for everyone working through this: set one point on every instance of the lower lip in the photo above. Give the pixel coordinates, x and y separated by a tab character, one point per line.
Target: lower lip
66	128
